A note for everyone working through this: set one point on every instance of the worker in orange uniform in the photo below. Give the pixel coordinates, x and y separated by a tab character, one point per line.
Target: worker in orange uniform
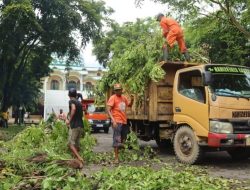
172	31
116	107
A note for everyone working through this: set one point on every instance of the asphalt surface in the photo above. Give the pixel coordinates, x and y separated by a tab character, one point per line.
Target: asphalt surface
216	163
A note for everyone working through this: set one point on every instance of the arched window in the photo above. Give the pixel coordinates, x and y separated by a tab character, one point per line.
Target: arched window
89	86
72	84
54	85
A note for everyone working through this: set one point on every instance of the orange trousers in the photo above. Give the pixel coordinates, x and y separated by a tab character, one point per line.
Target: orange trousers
174	35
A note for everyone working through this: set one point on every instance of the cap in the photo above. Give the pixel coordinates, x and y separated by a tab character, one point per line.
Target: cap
117	86
158	17
72	92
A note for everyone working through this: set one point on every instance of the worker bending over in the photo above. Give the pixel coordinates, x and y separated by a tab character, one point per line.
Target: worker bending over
172	31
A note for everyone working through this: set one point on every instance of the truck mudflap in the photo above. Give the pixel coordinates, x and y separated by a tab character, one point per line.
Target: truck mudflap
228	140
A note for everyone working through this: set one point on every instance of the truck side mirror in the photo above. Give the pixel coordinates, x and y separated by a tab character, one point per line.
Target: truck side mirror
208	79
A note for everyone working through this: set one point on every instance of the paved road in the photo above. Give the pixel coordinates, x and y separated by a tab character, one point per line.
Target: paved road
216	163
104	142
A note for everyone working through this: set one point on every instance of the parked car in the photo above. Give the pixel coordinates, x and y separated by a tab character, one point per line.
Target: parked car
98	118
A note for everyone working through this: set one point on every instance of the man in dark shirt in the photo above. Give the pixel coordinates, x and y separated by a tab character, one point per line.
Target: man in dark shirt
75	124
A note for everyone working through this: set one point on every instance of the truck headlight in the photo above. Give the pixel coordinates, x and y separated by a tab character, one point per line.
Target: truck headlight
107	121
221	127
90	121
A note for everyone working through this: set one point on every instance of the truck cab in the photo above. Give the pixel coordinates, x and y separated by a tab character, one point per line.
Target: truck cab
211	106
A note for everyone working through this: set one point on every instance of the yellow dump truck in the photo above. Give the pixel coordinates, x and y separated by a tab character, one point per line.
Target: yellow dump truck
198	108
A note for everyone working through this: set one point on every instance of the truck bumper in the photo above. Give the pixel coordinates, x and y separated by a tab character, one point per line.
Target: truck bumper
228	140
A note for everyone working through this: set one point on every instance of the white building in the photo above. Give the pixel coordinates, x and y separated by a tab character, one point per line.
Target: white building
55	86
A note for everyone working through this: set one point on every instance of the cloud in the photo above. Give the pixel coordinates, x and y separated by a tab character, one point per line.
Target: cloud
127	11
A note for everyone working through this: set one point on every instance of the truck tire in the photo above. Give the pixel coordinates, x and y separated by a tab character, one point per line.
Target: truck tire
239	153
186	147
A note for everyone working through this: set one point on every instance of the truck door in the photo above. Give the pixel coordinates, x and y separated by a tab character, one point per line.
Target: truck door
190	101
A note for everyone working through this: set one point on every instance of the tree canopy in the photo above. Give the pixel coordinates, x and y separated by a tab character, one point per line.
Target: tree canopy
237	12
132	50
31	30
222	42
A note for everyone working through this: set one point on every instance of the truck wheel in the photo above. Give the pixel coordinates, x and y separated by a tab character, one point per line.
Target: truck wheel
106	130
186	147
239	153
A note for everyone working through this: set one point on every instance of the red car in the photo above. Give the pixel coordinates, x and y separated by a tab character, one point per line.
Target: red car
97	117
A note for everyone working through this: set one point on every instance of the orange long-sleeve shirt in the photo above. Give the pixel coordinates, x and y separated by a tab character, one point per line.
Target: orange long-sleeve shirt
168	24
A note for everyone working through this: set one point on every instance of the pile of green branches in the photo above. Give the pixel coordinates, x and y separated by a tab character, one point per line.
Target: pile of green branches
19	171
49	139
132	53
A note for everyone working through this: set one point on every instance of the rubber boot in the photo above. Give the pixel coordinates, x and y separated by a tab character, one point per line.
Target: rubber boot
165	53
187	56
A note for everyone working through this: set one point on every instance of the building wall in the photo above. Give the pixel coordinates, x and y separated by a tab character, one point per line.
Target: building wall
55	100
55	88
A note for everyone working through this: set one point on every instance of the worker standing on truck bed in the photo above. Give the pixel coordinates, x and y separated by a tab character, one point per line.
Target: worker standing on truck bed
172	31
116	108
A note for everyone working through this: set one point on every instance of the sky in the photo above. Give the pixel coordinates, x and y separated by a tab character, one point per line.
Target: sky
125	10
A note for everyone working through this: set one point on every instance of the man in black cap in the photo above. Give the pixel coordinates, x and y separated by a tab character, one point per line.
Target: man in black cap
75	124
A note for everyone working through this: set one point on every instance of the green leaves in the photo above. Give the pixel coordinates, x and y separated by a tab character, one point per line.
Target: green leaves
50	139
157	73
128	177
134	49
32	30
221	42
232	11
16	172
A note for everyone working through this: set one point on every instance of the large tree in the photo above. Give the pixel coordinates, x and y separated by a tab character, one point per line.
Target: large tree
31	30
237	12
222	42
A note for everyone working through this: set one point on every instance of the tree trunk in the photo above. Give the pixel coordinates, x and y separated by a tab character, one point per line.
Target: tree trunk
5	101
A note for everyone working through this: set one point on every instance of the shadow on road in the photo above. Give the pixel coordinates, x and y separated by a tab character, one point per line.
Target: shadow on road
216	159
217	164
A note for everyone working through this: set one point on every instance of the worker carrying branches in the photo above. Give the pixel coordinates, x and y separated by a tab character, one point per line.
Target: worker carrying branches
172	31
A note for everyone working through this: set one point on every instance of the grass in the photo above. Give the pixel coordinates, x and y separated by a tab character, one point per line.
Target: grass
8	133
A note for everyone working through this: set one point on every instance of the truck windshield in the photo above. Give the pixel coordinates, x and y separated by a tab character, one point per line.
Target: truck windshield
233	85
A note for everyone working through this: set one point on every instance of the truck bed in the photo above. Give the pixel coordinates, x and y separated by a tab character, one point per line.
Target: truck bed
157	102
